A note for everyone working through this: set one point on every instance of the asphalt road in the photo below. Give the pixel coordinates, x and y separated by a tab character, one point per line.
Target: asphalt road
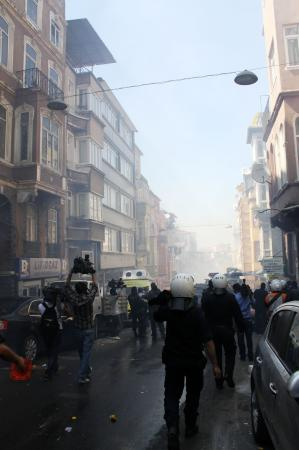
127	381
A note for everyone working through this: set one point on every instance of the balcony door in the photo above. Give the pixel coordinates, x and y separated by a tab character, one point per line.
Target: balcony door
30	66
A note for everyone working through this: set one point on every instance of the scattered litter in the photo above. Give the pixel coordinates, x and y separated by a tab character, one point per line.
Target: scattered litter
141	392
68	429
44	366
113	418
74	418
245	423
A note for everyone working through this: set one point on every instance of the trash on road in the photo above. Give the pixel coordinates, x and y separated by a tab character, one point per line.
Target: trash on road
68	429
113	418
74	418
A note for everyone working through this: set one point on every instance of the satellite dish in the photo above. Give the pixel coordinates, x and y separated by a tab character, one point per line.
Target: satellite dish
259	173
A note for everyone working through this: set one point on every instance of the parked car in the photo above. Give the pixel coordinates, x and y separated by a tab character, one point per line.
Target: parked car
20	326
275	381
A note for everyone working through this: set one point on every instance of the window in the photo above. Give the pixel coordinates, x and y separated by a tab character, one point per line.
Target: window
83	99
24	125
260	153
52	226
110	155
54	32
110	197
3	42
292	44
283	159
90	207
31	223
2	132
54	82
297	141
109	114
272	65
30	66
32	10
95	104
50	143
126	133
90	153
126	169
112	240
127	242
292	354
126	205
279	331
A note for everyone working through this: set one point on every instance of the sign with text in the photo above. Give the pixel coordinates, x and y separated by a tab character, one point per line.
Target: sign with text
33	268
273	266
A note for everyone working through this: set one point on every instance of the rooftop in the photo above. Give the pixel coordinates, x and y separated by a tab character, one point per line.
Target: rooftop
84	47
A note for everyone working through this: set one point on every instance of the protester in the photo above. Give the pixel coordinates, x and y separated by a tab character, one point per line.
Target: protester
187	334
221	309
260	319
153	307
275	298
7	354
82	300
51	329
138	313
292	291
245	304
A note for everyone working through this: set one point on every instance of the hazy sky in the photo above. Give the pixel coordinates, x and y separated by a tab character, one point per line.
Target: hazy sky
192	134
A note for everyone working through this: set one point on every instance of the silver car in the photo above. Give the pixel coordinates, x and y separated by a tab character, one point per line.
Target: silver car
275	381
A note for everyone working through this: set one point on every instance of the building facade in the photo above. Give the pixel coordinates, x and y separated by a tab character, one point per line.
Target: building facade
32	140
270	238
281	32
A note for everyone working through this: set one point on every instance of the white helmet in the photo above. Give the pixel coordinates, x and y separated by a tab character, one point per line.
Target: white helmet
182	286
283	284
275	286
220	281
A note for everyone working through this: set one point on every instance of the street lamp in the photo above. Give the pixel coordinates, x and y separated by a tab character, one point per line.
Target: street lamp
57	105
246	78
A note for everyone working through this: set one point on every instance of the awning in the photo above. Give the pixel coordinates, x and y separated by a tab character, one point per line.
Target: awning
84	47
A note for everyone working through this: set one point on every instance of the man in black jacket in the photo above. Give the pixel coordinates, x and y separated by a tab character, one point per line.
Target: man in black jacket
220	309
187	334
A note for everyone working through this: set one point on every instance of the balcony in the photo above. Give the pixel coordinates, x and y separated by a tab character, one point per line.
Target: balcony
36	80
79	229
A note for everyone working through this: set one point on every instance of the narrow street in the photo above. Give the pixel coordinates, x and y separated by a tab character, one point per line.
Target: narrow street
127	381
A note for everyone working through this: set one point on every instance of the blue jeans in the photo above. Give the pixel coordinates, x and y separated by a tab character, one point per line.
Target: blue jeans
85	342
248	328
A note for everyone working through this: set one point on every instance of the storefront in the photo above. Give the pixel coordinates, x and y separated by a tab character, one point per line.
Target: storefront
35	273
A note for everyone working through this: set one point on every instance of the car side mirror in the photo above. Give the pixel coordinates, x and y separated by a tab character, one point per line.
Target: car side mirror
293	386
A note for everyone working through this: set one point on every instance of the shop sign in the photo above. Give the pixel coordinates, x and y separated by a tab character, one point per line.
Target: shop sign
33	268
273	266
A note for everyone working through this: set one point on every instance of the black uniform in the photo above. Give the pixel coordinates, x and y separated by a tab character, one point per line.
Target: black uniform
220	310
260	310
183	357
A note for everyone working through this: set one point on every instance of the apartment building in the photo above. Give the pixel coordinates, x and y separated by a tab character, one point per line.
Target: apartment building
281	32
249	230
148	222
32	139
85	142
270	238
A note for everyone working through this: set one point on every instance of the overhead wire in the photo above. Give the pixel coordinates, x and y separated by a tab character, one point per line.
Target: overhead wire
162	82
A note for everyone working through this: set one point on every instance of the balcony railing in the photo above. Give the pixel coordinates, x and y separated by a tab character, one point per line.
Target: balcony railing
35	79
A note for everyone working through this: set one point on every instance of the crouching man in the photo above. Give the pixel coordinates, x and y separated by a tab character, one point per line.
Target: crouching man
187	335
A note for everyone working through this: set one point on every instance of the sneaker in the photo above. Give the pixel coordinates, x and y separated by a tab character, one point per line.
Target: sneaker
173	439
85	380
191	431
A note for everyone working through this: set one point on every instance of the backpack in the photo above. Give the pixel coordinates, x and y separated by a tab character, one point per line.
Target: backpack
49	320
